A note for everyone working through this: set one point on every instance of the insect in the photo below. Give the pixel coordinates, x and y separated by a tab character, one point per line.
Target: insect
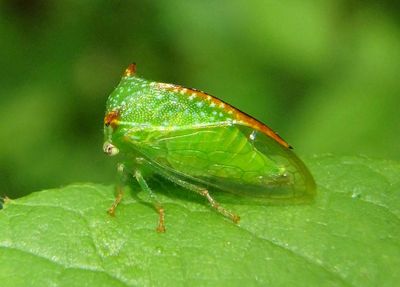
198	142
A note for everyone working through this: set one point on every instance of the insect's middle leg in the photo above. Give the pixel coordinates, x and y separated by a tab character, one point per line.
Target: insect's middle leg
153	197
204	192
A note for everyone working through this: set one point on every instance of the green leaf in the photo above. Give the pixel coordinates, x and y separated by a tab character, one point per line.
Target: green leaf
349	237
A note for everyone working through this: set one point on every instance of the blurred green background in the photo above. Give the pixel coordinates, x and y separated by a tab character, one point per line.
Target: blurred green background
324	74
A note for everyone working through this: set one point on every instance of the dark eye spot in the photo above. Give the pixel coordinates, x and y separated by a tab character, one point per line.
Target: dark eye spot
111	119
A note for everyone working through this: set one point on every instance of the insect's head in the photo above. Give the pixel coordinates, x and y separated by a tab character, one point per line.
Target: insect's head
118	115
110	124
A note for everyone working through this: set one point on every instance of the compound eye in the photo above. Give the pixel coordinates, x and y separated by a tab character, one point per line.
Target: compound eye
110	149
111	119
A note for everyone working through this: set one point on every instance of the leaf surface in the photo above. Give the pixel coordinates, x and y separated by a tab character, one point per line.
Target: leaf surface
348	237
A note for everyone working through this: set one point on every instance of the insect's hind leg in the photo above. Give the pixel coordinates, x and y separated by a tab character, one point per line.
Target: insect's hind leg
203	192
157	205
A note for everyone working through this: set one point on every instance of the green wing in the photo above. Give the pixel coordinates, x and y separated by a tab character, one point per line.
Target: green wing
234	158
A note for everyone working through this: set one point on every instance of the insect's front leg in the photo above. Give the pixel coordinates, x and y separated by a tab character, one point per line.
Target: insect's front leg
157	205
122	178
